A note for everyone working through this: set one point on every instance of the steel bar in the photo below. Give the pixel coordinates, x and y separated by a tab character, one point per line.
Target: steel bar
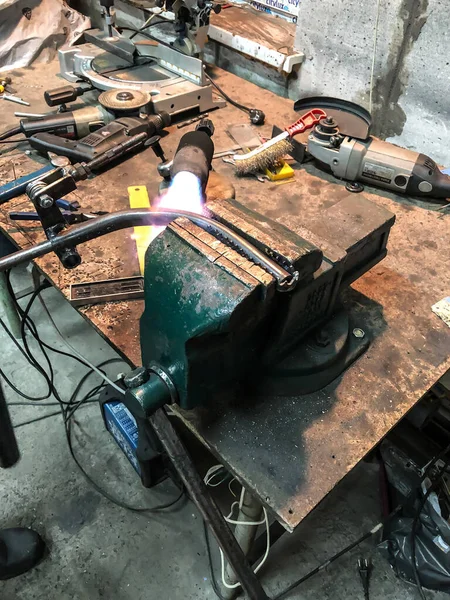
131	218
209	510
8	305
9	450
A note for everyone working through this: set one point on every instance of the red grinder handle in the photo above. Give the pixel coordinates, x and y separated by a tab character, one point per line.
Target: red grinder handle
307	121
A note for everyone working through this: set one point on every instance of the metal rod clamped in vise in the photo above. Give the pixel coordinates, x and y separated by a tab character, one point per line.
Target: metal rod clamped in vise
123	219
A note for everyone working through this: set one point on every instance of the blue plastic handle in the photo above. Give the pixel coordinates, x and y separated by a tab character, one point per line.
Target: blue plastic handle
18	187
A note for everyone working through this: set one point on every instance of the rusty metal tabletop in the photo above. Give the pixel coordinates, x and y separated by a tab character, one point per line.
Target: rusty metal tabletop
290	452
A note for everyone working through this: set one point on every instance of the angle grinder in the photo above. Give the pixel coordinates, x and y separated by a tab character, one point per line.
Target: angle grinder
376	162
79	123
342	143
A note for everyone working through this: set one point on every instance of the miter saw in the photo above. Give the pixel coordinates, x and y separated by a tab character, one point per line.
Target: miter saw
172	75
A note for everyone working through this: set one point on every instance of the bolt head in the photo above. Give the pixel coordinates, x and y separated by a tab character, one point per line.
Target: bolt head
136	378
45	201
124	96
322	338
359	333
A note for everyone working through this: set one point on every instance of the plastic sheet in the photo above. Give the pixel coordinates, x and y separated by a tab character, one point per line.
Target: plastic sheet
432	542
33	30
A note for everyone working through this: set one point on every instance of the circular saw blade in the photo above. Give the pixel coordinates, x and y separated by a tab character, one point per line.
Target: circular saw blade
124	100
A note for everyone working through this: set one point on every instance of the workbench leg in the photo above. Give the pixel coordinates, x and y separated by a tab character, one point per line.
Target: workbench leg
9	307
251	510
209	510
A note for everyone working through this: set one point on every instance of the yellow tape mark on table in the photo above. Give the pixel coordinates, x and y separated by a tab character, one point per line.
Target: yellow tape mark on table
139	199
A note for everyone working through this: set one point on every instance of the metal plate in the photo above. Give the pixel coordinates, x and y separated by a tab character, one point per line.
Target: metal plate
353	120
117	68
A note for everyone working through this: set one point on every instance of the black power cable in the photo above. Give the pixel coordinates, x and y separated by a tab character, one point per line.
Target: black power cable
68	409
7	134
152	24
36	419
14	141
257	116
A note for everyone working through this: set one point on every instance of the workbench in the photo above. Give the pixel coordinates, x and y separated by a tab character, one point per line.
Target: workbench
289	452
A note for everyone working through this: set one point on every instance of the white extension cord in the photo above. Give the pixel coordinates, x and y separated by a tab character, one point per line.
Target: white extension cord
210	475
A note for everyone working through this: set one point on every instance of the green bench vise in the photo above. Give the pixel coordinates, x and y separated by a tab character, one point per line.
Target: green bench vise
216	326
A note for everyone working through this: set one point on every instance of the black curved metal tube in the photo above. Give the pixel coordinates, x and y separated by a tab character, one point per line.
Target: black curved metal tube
134	217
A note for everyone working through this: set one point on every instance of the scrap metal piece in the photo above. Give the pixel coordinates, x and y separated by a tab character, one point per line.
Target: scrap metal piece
108	290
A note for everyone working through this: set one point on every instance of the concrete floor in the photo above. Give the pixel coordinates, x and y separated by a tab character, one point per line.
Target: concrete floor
100	551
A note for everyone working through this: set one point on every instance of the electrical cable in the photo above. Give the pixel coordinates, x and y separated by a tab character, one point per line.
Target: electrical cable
232	586
10	132
53	414
68	409
106	494
38	404
214	583
28	322
14	141
328	562
211	473
148	24
19	392
78	356
76	352
68	413
150	37
225	95
11	385
256	115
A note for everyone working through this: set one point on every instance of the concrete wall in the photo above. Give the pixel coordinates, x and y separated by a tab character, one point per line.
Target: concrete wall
412	65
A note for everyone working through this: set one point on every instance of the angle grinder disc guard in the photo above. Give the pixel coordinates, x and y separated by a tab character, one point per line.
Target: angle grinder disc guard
353	120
